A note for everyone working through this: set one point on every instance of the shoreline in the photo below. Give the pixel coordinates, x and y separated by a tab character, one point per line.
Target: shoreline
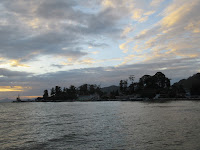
119	100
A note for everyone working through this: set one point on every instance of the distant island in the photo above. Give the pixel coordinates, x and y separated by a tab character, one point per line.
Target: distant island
148	88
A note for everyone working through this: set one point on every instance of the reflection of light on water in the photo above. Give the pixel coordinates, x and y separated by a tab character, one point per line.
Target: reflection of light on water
100	125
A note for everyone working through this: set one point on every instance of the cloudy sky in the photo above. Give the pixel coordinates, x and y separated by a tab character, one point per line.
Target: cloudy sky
44	43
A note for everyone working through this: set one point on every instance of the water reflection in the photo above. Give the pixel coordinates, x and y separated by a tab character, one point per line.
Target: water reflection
100	125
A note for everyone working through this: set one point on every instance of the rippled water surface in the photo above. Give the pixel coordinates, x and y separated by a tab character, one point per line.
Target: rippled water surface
100	125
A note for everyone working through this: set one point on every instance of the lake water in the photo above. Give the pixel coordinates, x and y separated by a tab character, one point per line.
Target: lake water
100	125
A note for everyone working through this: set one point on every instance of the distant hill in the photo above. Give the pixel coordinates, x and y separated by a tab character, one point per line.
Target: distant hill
110	88
187	83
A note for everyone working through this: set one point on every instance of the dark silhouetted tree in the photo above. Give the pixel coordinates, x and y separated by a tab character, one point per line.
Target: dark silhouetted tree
98	90
58	91
131	78
123	86
131	86
52	92
92	89
195	89
161	81
83	89
45	95
72	92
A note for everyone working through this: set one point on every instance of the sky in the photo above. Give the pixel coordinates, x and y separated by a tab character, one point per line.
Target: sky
44	43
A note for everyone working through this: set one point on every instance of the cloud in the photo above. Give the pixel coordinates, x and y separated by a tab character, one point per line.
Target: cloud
155	3
176	13
57	9
58	66
45	27
139	11
16	63
97	45
137	14
124	47
174	36
95	52
31	29
127	30
84	61
13	74
11	88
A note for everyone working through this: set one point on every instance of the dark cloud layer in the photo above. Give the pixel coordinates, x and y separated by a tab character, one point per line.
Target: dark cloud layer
46	26
13	74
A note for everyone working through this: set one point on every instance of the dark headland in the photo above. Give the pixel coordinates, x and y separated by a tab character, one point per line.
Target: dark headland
149	88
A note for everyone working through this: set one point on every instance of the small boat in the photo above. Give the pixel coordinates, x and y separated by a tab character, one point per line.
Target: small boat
18	99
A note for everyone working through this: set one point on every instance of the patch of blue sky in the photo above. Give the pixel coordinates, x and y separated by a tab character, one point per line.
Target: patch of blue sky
88	8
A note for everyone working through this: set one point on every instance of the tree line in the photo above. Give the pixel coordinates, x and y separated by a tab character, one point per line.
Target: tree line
71	93
147	86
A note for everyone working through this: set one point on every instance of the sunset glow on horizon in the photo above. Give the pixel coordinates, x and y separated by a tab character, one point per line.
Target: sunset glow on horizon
11	89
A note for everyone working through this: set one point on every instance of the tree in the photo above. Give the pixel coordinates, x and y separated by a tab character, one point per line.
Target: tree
58	91
72	92
149	86
146	81
45	95
131	86
65	94
117	93
158	81
195	89
64	90
131	78
83	89
161	81
92	89
52	92
98	90
177	91
123	86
